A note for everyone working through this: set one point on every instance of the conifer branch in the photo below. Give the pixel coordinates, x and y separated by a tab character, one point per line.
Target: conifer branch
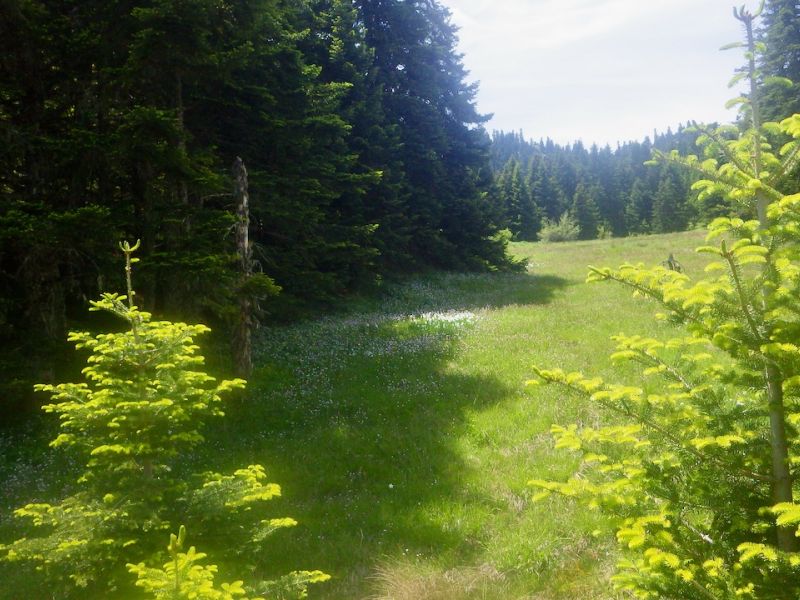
676	442
722	145
743	303
788	167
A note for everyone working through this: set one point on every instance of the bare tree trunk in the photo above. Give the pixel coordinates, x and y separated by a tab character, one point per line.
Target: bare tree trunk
183	189
242	337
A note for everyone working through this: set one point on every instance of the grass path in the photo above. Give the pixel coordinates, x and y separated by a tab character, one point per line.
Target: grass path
403	435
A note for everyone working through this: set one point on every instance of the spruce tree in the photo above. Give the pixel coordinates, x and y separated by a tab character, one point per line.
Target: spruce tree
549	169
132	423
521	213
365	154
444	151
584	211
637	208
371	200
669	213
780	33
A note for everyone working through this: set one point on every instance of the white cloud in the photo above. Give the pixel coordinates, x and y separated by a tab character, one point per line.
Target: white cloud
542	24
600	70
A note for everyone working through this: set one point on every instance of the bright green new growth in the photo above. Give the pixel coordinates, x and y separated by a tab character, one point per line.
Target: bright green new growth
698	469
141	409
182	578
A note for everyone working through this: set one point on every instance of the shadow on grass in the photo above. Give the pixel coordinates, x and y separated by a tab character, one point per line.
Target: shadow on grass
464	291
367	462
358	419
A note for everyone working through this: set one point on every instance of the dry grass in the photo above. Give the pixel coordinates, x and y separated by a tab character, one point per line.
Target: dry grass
407	581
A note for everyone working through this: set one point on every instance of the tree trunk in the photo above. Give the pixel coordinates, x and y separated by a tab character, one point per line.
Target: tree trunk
183	189
242	338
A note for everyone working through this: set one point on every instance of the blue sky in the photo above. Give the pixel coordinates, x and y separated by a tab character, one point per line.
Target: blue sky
598	70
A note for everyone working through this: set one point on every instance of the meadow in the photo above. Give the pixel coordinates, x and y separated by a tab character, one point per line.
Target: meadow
403	434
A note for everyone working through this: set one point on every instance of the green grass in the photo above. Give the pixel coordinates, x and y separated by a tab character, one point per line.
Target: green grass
404	441
403	435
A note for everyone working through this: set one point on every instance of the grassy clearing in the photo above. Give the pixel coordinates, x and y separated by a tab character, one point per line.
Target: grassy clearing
403	435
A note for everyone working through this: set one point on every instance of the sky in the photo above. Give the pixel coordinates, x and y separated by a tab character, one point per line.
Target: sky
599	71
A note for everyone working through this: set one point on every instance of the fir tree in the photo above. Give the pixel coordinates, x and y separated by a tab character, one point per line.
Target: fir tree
142	408
698	475
637	208
550	171
780	32
584	211
669	212
444	152
365	154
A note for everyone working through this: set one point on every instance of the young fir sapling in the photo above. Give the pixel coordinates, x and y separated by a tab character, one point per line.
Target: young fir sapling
142	408
699	471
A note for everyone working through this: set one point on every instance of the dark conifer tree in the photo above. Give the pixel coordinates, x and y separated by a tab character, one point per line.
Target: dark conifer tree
638	208
781	35
522	216
584	210
121	118
668	213
550	171
549	195
444	152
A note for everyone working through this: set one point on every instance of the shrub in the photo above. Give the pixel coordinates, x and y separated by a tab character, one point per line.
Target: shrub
181	578
566	229
605	232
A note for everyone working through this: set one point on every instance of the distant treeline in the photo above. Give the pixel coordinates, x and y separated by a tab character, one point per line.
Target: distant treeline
607	192
121	119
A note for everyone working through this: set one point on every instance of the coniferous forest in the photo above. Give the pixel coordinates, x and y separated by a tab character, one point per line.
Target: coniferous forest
364	150
263	166
607	192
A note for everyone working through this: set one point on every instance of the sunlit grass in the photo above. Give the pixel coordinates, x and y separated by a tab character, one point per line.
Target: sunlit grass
403	435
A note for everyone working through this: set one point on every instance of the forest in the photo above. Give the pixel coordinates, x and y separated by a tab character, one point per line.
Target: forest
122	120
607	193
313	181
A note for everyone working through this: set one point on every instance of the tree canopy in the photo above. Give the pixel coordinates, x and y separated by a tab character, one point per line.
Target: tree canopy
364	147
